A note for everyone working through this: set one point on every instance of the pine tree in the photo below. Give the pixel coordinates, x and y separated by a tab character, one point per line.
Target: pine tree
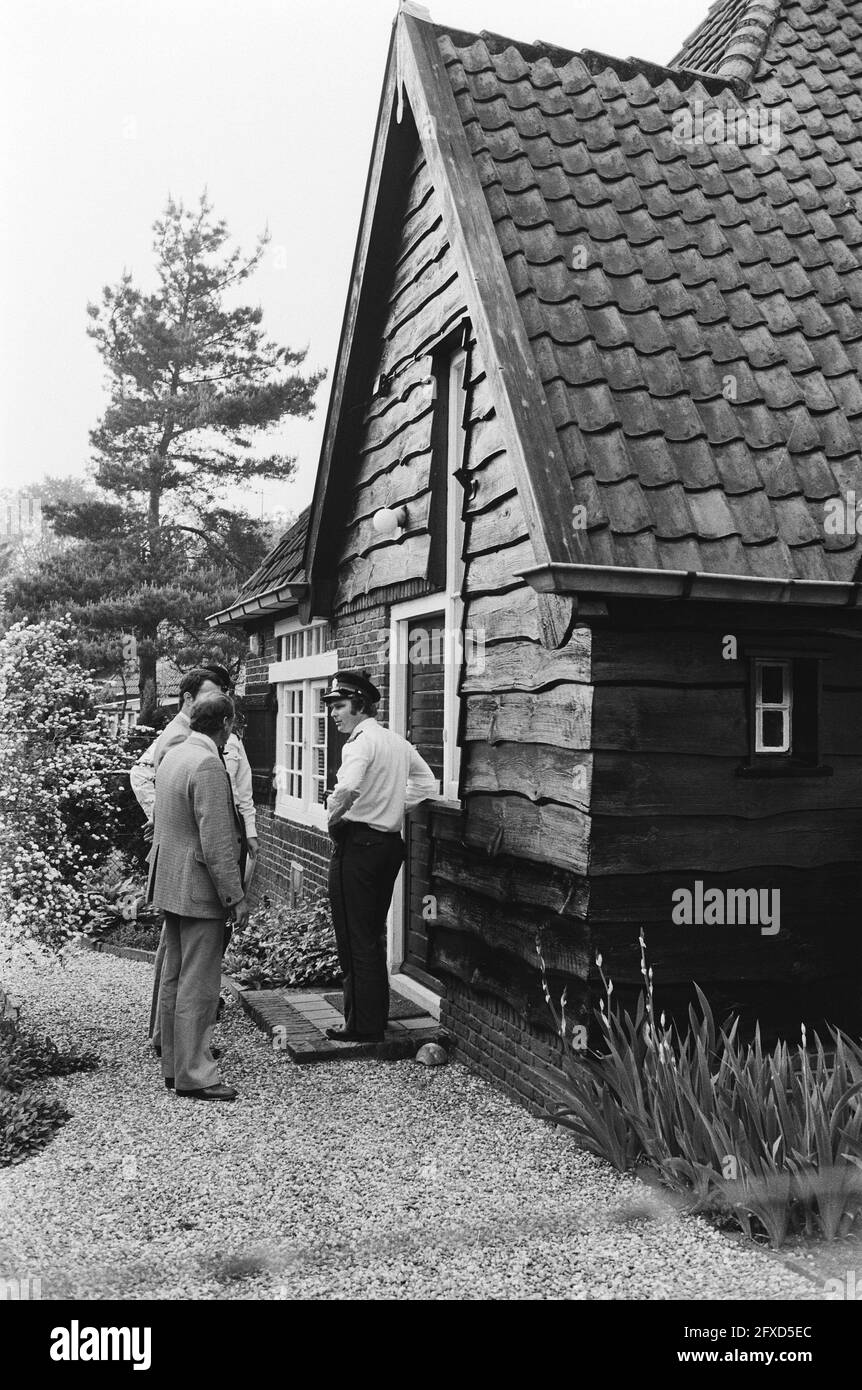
193	384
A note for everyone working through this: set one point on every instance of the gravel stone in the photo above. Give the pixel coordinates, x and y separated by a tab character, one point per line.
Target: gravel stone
341	1180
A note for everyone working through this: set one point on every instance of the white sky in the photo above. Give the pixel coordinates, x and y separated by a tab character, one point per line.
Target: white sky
106	106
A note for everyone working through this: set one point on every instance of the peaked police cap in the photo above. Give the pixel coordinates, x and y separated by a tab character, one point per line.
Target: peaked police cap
349	683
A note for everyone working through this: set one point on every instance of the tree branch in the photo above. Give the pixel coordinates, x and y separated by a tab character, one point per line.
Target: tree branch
213	545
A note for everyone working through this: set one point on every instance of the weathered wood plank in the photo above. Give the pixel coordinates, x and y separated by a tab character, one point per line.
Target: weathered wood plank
647	718
521	665
462	957
732	954
400	482
658	784
437	285
841	727
362	574
413	404
514	881
489	485
512	825
413	440
561	716
492	572
431	249
503	525
564	943
361	538
557	616
484	444
674	658
404	338
421	220
535	771
497	616
816	895
481	402
411	377
635	845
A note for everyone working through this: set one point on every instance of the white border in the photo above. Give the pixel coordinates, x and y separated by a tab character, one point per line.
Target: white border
447	601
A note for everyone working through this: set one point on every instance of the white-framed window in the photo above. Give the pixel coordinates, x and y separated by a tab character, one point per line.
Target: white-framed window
773	706
300	642
307	661
448	604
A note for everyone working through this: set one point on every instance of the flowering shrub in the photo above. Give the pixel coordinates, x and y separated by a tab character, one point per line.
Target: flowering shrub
62	776
285	947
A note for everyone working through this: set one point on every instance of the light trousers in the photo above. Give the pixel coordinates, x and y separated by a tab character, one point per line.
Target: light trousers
188	999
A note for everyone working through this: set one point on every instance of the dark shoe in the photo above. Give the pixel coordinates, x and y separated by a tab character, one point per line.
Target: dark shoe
220	1092
169	1082
347	1035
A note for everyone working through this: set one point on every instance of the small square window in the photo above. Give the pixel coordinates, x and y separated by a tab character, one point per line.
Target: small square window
785	715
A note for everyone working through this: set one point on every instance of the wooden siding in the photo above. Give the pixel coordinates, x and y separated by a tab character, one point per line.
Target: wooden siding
393	460
516	870
669	806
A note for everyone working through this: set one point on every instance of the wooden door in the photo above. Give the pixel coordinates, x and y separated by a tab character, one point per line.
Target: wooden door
425	710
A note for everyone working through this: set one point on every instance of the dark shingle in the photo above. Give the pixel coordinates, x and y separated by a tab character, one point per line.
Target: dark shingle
703	366
283	564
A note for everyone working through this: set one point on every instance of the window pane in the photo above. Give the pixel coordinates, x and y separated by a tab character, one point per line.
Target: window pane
773	729
772	684
318	743
293	735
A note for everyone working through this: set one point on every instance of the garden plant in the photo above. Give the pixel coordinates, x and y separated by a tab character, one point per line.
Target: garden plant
769	1140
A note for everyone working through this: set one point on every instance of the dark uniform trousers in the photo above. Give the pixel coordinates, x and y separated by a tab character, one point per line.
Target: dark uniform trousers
362	874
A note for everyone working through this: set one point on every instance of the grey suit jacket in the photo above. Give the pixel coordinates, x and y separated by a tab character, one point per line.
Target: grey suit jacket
194	861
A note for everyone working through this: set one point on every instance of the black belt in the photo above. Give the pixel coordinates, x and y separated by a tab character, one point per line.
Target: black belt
370	829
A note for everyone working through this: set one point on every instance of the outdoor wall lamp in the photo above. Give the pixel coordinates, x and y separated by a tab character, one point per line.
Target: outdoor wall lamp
388	522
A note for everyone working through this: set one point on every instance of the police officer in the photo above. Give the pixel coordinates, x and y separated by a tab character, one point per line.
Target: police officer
381	776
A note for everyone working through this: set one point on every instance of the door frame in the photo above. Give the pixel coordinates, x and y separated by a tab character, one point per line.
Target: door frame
400	615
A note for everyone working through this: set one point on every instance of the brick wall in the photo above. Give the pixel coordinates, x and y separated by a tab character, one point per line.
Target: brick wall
492	1039
283	842
362	636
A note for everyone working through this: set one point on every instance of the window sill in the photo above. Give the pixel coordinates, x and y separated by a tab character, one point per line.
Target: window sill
300	815
784	769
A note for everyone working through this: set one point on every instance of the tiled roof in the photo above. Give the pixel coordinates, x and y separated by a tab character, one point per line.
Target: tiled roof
283	564
703	368
733	32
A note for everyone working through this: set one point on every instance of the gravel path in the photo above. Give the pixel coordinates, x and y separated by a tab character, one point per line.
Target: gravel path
334	1181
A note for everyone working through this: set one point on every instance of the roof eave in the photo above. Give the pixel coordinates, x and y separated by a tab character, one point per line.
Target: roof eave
286	596
613	581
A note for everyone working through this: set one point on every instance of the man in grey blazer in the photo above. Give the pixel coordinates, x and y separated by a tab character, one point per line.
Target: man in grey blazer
201	680
195	880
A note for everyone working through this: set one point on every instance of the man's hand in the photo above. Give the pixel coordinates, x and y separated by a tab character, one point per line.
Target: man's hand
340	801
148	832
251	841
240	912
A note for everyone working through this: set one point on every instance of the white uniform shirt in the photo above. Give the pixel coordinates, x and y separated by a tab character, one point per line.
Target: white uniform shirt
388	773
143	779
